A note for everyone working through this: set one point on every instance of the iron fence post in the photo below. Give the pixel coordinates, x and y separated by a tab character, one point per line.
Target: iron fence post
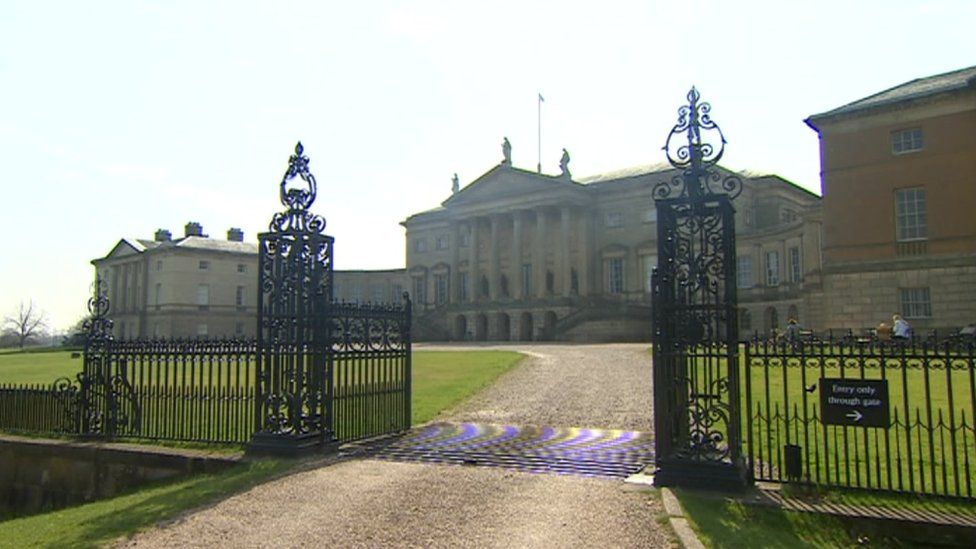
696	400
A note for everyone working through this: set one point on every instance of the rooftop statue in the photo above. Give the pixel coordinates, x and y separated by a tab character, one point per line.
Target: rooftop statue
564	164
507	152
455	185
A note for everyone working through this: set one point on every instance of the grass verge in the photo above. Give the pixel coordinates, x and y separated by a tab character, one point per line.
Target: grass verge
94	524
724	522
442	379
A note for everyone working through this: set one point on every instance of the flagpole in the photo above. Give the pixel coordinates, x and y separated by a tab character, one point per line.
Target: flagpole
539	133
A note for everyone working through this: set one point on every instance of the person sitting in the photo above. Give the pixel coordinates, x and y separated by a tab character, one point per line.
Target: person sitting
883	331
792	331
901	329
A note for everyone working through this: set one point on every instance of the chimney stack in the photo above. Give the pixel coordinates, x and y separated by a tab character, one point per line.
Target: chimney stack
194	229
162	235
235	235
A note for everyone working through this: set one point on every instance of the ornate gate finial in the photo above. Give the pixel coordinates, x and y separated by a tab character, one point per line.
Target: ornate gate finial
696	155
298	198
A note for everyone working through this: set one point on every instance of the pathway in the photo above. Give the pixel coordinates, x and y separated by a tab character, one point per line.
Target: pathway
375	503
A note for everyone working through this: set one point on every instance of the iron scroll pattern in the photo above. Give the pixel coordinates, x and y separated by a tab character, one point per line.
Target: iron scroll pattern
371	327
103	403
295	285
698	158
694	291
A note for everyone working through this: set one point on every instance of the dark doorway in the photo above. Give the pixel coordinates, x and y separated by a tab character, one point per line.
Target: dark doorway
525	327
481	328
504	327
461	328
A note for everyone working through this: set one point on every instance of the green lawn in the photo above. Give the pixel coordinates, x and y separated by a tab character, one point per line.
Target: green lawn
43	368
442	379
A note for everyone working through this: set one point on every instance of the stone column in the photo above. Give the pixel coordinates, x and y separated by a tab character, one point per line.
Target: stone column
784	264
539	254
126	283
474	285
515	282
585	257
493	259
454	277
564	264
759	267
113	296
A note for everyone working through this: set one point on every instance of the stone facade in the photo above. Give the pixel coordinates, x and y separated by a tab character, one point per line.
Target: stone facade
374	286
197	286
518	255
193	286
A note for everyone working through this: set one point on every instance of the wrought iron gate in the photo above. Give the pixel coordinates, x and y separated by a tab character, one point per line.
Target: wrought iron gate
303	335
696	396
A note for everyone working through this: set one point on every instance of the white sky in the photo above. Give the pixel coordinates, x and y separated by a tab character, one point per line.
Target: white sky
118	118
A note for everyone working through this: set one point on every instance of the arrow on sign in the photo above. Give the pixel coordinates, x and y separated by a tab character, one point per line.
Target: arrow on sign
855	415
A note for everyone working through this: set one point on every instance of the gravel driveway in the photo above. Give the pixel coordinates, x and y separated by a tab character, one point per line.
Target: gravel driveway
371	503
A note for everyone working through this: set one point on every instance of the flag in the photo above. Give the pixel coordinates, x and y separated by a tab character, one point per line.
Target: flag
542	99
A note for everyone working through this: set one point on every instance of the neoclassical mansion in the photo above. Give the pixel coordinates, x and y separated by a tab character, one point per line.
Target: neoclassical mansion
521	255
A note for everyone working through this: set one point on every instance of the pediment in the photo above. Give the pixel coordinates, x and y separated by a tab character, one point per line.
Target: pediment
124	248
505	184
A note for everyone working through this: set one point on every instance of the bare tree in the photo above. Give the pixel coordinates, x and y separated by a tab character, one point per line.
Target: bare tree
26	323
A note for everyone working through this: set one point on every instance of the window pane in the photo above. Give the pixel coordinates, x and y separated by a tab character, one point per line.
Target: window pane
772	268
464	287
615	275
906	141
916	302
910	213
203	294
745	275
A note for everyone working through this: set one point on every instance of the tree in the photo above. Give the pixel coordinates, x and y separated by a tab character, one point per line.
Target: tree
26	323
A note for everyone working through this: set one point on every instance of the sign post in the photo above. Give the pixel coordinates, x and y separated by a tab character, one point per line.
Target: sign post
854	402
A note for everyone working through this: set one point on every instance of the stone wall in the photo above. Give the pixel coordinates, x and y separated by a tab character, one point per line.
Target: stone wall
868	296
40	475
607	331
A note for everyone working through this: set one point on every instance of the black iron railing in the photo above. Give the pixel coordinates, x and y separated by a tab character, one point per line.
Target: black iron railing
188	390
204	390
37	408
816	413
371	367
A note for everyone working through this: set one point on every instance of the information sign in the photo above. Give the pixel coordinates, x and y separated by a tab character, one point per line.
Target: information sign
854	402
